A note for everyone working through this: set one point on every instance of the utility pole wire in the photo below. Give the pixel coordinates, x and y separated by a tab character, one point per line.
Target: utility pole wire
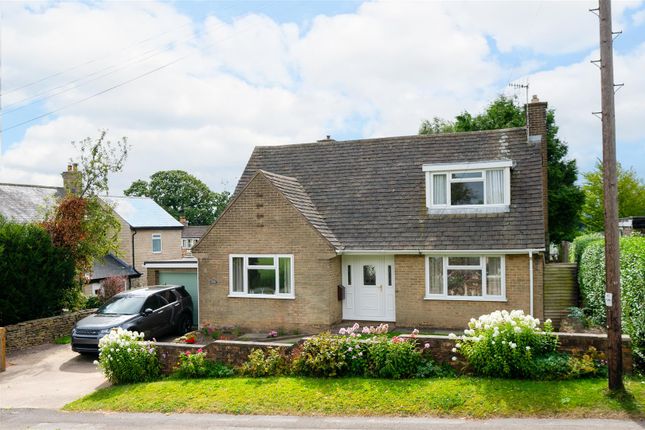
95	60
94	95
254	27
610	188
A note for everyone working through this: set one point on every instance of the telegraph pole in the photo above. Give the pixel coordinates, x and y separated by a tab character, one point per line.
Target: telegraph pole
610	188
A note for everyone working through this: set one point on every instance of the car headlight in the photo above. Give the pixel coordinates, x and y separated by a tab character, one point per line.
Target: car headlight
74	331
103	332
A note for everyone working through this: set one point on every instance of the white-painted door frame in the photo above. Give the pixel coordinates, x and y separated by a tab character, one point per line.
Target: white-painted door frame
371	302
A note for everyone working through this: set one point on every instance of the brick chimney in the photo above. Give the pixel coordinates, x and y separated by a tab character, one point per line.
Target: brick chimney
72	179
536	130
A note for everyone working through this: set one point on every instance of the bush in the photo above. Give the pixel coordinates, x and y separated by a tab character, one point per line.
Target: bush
556	365
591	276
326	355
264	363
591	363
429	368
394	359
37	279
581	243
110	287
358	353
504	344
125	358
196	365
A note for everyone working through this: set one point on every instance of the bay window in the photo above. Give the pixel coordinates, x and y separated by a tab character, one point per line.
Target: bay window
269	276
465	277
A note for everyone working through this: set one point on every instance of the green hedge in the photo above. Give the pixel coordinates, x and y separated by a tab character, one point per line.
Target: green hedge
591	277
36	279
581	243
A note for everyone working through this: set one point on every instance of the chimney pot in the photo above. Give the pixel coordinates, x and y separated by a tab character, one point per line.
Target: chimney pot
75	167
69	167
535	99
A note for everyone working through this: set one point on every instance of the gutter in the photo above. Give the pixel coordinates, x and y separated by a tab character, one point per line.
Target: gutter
439	251
134	233
531	282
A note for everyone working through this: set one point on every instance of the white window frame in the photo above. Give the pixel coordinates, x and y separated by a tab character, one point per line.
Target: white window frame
432	170
156	236
247	266
188	243
482	266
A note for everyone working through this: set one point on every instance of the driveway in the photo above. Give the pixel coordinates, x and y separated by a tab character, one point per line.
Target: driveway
47	376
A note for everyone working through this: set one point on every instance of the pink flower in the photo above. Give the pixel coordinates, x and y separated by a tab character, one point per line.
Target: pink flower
199	351
415	332
426	346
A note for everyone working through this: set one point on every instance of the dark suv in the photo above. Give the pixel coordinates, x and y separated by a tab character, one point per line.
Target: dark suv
155	311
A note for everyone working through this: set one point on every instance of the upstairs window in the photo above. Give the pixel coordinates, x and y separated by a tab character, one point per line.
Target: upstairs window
156	243
468	187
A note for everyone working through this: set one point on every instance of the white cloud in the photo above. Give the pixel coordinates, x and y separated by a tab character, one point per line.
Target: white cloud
253	81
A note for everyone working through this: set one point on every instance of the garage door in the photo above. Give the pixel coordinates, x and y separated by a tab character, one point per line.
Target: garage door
188	280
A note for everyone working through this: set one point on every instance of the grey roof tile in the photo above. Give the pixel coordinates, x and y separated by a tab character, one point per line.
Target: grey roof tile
370	194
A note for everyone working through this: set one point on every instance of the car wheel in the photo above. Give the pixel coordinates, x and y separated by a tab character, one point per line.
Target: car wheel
185	324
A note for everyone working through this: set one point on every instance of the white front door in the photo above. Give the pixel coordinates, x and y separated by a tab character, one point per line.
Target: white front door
369	288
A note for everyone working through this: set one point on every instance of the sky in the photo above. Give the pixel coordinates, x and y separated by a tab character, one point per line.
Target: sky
195	85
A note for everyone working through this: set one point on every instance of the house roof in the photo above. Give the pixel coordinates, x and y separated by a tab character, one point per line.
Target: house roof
27	203
194	231
142	212
297	196
370	194
111	265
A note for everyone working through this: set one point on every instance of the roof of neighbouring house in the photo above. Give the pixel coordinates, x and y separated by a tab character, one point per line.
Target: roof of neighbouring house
194	231
370	194
110	265
142	212
27	203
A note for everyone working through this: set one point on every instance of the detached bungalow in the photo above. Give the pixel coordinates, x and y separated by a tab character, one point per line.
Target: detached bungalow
424	231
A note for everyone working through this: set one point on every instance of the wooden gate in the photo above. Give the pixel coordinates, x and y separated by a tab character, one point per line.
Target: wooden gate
560	291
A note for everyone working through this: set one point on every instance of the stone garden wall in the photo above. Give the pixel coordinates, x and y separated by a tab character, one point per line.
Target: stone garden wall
230	352
44	330
441	346
234	353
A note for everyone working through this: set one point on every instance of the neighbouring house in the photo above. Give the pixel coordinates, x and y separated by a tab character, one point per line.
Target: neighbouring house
148	233
422	231
190	235
107	267
631	225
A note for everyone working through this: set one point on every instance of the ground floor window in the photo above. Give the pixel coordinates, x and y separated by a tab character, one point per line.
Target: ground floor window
465	277
261	276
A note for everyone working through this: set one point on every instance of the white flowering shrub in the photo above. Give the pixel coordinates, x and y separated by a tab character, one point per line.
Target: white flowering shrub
125	358
506	344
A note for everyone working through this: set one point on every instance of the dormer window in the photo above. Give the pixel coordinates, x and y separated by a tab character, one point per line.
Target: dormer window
468	187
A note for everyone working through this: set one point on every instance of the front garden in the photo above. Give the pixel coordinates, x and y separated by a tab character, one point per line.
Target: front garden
504	364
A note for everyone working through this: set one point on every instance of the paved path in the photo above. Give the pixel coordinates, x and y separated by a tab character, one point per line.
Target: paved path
50	419
48	376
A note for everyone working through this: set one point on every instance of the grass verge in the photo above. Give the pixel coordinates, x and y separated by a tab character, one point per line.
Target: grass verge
456	397
63	340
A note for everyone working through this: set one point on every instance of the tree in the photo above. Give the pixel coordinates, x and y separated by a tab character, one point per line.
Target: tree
181	193
37	278
631	197
83	225
565	198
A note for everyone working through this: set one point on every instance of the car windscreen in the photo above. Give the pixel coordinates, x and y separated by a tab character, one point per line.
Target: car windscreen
122	305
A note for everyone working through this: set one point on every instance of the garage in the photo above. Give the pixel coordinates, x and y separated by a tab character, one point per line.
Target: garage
180	272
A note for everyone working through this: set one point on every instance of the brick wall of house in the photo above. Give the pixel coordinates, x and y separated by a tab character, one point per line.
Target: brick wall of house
413	311
170	248
263	221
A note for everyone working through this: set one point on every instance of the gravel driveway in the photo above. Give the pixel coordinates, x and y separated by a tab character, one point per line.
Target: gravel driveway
47	376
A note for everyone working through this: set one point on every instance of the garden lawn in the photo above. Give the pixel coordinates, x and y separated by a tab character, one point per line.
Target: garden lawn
457	397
